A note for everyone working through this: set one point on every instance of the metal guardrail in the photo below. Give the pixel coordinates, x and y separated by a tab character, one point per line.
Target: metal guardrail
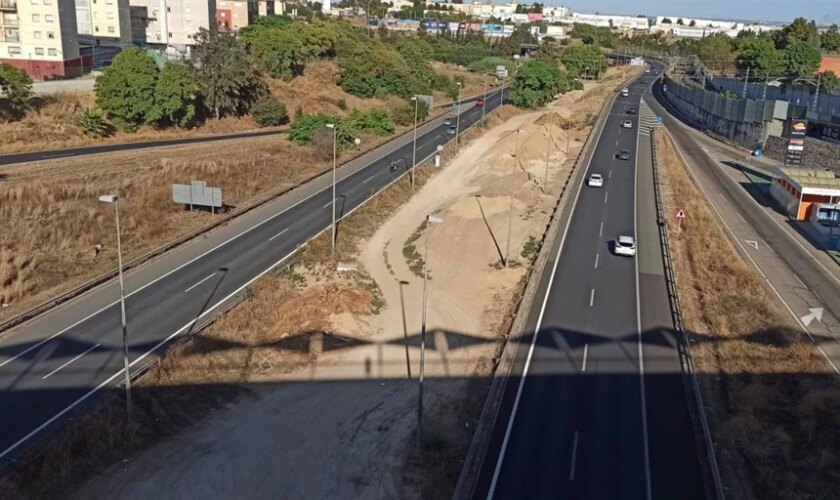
107	276
505	354
698	418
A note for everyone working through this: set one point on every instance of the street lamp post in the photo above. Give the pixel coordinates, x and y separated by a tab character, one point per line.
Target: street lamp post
335	140
484	102
458	117
334	128
430	219
547	154
510	210
414	143
112	198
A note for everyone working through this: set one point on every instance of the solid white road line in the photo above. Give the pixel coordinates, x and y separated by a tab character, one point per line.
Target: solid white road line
639	329
754	263
214	306
591	297
530	356
200	282
800	281
601	230
585	354
596	260
278	234
67	363
574	457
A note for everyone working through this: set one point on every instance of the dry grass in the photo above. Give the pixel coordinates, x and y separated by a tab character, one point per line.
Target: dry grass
775	409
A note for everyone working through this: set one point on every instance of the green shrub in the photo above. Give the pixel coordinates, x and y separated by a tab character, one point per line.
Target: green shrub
342	104
269	112
404	115
92	123
377	122
488	64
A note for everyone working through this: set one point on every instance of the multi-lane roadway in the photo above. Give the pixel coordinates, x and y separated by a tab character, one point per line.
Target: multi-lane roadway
597	406
52	364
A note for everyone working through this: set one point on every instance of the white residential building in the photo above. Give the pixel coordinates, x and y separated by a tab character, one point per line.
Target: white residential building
171	25
103	22
40	37
608	21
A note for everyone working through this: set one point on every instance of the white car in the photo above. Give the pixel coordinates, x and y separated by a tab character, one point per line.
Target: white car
625	92
447	121
595	180
627	124
625	245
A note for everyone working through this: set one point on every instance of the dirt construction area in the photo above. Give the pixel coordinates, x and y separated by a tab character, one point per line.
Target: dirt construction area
326	399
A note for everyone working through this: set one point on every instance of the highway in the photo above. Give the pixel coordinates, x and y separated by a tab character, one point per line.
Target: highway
61	359
596	407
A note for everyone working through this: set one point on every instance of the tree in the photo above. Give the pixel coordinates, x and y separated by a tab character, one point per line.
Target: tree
269	112
799	31
17	86
126	89
802	59
667	20
538	82
680	21
761	56
829	81
830	40
584	60
715	50
228	80
176	96
693	23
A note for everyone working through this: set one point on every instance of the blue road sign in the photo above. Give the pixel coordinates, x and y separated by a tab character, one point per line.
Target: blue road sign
659	120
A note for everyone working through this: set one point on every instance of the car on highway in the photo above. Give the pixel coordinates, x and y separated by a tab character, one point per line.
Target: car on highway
625	245
623	155
643	81
447	120
647	70
451	130
631	111
595	180
479	102
655	72
625	92
627	124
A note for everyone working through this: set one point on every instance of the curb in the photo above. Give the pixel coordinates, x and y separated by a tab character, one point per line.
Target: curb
474	462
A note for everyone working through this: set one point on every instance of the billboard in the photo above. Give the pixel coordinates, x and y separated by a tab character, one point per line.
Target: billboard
491	28
793	155
798	128
535	17
453	26
197	193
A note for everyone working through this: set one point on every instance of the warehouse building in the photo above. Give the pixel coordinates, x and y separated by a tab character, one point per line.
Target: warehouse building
808	194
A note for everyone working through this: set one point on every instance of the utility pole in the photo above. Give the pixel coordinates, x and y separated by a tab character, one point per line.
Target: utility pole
484	102
547	154
512	191
334	128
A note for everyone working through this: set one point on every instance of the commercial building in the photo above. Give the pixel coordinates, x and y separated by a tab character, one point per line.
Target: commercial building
807	193
608	21
40	37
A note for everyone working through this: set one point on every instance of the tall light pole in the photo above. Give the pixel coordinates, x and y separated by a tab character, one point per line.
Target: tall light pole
335	140
430	219
458	117
510	211
414	146
547	154
334	128
114	199
484	102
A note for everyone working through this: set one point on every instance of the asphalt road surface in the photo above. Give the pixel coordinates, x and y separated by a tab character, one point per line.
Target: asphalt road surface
598	407
51	365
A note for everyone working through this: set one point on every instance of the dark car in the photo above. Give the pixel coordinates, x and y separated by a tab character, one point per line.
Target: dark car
631	111
451	130
643	81
623	155
655	72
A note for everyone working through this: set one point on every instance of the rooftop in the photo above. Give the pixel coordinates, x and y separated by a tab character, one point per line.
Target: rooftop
813	178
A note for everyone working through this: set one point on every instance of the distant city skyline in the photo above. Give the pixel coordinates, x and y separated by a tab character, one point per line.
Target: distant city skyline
821	11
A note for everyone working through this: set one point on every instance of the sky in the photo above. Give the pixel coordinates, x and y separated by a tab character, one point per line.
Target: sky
822	11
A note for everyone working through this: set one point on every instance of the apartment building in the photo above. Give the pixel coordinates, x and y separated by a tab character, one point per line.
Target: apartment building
170	25
40	37
272	8
103	22
232	15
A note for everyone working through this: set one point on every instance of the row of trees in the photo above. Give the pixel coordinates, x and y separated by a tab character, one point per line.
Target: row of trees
219	80
538	82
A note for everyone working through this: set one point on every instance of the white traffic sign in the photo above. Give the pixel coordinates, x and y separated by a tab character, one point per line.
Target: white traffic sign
681	214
